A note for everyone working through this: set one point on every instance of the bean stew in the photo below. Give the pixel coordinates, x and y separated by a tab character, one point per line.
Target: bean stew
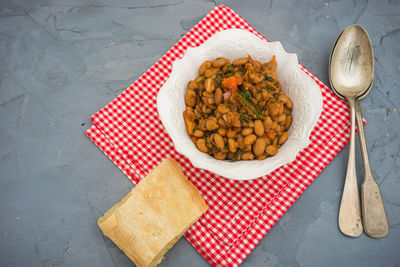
236	110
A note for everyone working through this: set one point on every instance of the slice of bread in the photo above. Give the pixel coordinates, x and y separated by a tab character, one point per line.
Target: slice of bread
154	215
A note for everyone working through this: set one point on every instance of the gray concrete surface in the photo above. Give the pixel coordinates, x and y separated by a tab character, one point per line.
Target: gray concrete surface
61	61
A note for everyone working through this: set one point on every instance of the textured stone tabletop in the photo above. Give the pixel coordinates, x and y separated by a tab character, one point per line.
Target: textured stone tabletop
61	61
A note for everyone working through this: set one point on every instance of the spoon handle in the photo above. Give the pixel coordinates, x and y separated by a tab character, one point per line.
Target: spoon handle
373	211
349	212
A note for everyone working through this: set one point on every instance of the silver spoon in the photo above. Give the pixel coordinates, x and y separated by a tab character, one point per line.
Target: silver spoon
351	76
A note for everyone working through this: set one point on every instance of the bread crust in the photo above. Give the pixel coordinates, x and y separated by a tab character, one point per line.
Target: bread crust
154	215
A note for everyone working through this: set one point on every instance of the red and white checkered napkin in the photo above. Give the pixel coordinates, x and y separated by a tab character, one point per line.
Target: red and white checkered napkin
130	133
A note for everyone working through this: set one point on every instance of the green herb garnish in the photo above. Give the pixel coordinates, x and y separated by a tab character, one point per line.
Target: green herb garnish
268	78
241	69
244	117
218	79
248	76
235	156
229	104
251	106
199	79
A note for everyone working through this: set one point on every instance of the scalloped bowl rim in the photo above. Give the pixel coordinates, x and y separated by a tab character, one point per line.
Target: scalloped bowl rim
238	170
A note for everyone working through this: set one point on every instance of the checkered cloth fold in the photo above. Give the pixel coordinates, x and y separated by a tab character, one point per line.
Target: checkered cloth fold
130	133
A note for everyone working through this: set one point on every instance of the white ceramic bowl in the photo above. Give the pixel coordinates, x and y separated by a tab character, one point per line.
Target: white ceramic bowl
232	44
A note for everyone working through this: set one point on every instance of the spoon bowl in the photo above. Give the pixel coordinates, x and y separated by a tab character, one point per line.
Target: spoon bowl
351	66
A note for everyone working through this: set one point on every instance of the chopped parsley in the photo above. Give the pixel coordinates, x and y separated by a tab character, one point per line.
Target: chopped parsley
241	69
199	79
229	104
268	78
244	117
270	89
